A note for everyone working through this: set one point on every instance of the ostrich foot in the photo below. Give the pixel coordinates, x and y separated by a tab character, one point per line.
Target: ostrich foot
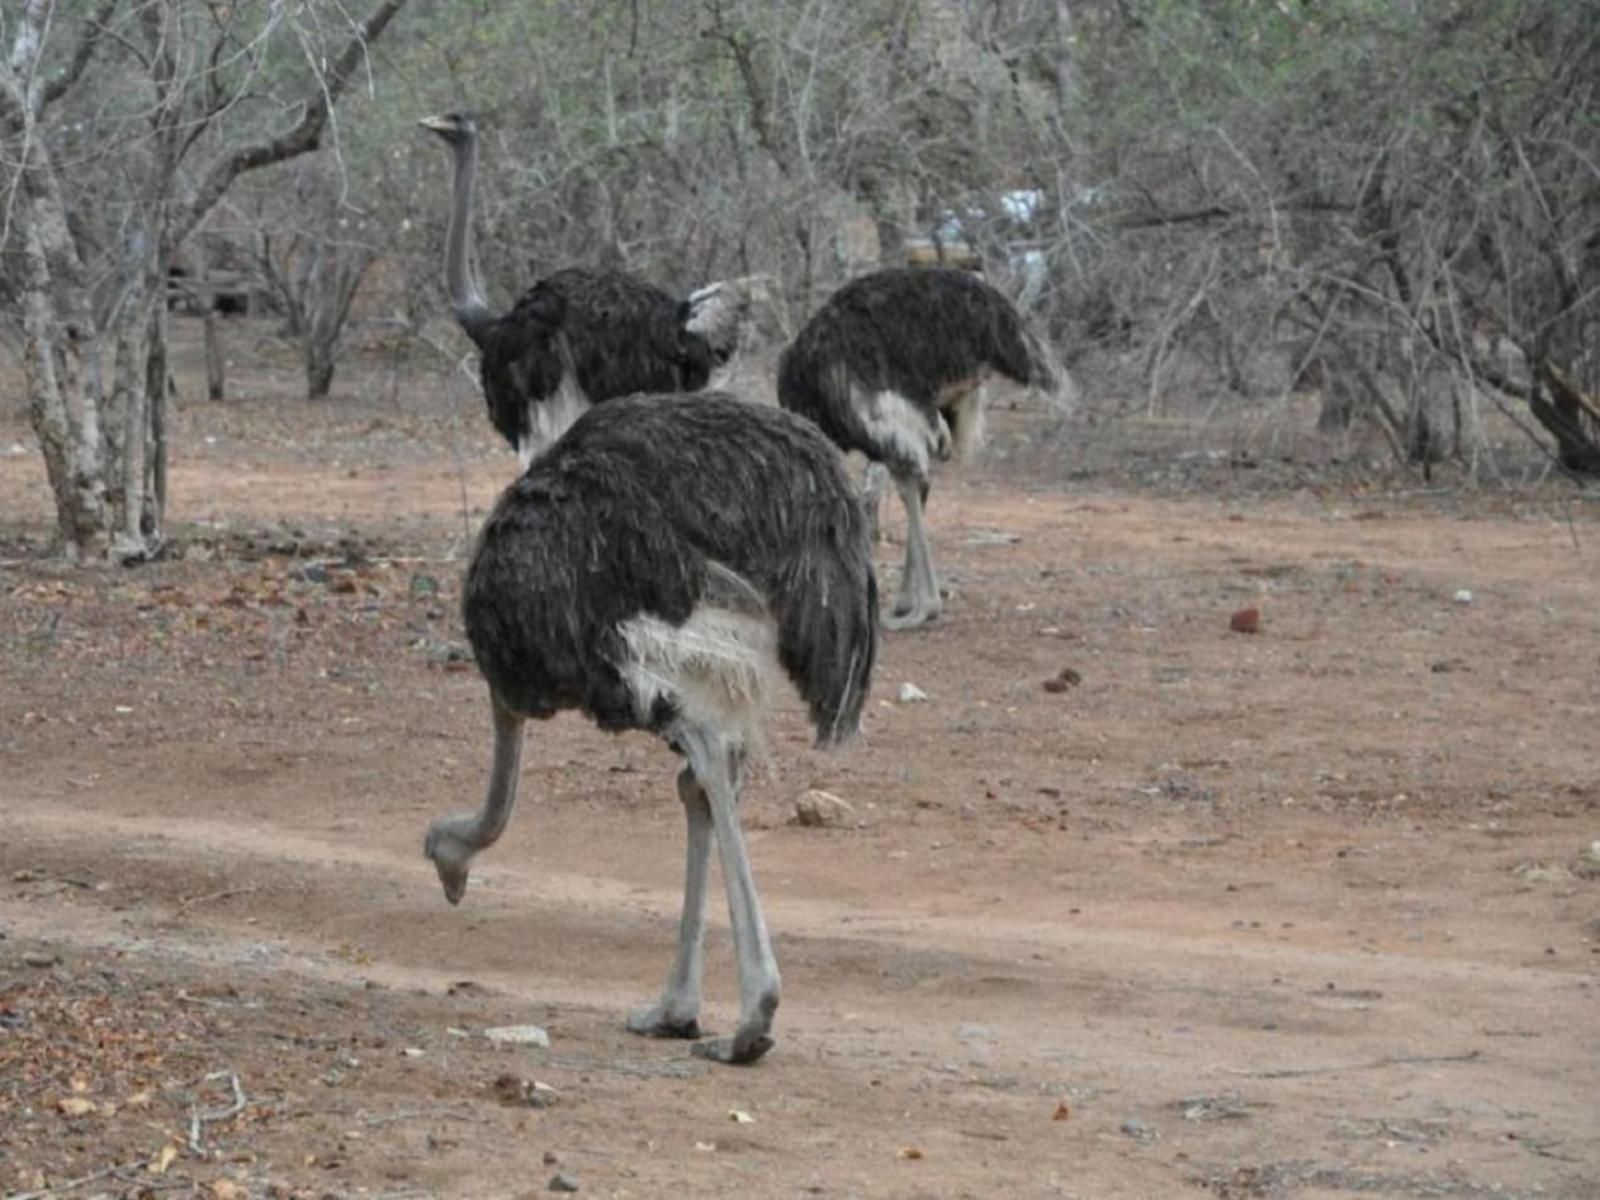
911	616
753	1039
657	1021
739	1051
451	855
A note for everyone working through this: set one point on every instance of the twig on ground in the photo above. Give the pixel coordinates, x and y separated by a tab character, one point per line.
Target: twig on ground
411	1114
197	1118
646	1069
69	1184
224	894
1404	1060
184	997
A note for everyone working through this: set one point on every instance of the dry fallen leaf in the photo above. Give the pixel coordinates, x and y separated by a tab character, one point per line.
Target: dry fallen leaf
75	1106
911	1152
226	1189
705	1147
138	1101
165	1159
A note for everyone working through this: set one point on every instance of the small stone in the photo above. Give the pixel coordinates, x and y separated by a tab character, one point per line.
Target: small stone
816	808
35	958
1062	680
1135	1128
518	1035
1463	597
1246	620
910	693
1538	872
563	1183
551	1158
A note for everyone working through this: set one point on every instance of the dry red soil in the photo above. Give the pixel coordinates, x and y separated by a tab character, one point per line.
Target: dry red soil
1307	913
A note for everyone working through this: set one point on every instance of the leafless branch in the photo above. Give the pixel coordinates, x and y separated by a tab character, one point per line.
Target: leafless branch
80	1181
199	1118
82	52
307	132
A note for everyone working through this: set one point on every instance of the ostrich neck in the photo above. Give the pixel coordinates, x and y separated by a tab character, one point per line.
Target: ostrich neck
466	296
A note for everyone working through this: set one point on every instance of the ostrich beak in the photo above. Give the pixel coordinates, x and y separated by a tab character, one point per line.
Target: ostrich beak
438	124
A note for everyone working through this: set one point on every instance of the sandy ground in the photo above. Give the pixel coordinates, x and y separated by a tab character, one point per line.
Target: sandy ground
1308	913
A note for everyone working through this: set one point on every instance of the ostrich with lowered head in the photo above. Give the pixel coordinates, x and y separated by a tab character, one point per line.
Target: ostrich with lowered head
893	365
578	336
655	568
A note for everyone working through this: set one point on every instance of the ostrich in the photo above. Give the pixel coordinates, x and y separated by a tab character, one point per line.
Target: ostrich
654	568
578	336
893	365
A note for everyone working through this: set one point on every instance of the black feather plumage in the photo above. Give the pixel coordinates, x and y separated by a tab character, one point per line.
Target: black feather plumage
618	336
639	509
578	336
913	331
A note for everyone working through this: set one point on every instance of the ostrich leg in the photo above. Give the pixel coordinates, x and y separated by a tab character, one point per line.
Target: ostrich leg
678	1012
452	841
918	599
718	766
872	486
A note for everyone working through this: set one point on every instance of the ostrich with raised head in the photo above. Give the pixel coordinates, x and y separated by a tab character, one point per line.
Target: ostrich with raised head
893	366
578	336
656	568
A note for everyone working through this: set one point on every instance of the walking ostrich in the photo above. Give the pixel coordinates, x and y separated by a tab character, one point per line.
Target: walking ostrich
578	336
893	365
654	568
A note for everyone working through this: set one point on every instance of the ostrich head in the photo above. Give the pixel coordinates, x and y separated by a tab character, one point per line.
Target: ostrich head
732	315
460	131
457	128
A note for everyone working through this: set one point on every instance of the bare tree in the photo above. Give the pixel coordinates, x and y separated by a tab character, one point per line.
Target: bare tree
314	262
160	92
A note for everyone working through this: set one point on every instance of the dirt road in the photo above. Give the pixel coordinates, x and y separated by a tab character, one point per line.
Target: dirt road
1303	914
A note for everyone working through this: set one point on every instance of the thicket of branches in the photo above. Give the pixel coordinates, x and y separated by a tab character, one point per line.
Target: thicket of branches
1397	202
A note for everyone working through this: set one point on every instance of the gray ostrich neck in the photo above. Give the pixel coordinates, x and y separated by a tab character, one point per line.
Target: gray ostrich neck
466	296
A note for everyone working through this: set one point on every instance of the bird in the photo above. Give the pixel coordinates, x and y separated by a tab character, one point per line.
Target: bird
657	568
580	335
893	366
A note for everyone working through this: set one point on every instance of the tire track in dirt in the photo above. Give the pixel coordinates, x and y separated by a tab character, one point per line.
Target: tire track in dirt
1128	1020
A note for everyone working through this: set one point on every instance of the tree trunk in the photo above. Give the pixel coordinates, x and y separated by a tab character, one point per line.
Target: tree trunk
319	369
1339	404
216	376
61	366
329	291
158	387
1569	416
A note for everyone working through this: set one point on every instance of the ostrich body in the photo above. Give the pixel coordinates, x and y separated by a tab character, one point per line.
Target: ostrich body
893	366
654	568
578	336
